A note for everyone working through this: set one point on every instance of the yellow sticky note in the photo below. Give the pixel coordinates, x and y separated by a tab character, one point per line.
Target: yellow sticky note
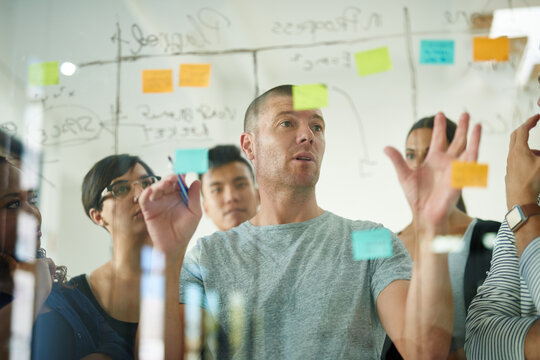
45	73
157	81
373	61
310	96
486	49
197	75
469	174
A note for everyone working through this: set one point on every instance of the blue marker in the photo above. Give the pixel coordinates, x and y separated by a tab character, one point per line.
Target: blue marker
181	183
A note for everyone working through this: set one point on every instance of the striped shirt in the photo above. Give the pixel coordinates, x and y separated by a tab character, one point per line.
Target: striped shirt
507	303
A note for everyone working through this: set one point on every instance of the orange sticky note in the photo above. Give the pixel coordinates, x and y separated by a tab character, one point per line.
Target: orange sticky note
195	75
157	81
486	49
469	174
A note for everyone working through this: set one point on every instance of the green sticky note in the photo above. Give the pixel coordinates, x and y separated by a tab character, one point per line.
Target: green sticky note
373	61
45	73
310	96
372	244
191	161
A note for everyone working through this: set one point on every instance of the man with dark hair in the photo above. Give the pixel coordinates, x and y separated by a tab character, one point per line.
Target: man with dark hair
230	196
287	282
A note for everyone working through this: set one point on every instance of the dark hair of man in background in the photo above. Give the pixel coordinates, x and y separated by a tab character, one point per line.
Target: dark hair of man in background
225	154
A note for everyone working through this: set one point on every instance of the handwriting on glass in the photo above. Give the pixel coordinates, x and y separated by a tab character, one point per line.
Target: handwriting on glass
351	20
343	59
206	28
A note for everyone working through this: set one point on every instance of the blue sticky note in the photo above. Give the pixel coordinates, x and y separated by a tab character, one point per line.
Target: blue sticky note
437	52
191	161
372	244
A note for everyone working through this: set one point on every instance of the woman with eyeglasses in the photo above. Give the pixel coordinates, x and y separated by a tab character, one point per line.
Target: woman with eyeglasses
110	194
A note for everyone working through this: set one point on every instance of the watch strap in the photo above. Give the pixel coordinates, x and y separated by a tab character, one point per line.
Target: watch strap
530	209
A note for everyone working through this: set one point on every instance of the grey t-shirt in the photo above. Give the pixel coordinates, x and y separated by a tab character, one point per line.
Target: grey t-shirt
304	295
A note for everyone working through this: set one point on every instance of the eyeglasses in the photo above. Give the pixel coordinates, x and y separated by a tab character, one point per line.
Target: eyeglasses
123	187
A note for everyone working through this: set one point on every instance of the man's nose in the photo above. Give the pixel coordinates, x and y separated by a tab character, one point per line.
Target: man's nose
230	194
305	134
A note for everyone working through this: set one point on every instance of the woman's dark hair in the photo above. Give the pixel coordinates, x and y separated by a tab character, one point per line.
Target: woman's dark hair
10	145
427	123
101	175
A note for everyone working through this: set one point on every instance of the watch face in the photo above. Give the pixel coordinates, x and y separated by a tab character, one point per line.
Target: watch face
514	217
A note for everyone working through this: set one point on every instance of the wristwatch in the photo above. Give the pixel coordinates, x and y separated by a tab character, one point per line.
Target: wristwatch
519	214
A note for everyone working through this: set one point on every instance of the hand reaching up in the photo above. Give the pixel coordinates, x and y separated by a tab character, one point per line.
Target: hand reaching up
522	167
427	187
169	221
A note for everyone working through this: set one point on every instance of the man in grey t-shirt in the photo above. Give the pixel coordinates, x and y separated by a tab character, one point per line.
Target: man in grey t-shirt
287	276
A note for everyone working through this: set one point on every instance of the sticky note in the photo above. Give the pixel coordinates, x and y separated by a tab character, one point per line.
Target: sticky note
157	81
309	96
469	174
486	49
373	61
435	52
372	244
191	161
42	74
195	75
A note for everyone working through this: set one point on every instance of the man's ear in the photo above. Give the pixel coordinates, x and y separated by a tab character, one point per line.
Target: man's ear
246	142
96	217
258	196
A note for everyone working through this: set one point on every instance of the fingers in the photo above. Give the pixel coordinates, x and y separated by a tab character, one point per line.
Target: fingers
460	138
438	139
471	153
520	136
402	169
159	189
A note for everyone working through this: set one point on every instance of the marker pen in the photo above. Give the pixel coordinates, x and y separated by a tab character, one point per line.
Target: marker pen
181	183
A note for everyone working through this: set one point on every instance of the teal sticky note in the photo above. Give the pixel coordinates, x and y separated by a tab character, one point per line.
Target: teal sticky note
41	74
437	52
373	61
372	244
191	161
310	96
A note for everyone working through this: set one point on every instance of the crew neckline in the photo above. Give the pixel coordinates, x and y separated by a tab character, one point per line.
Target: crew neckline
287	226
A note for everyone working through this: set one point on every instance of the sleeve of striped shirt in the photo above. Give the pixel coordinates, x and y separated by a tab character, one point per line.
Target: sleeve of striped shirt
530	268
495	327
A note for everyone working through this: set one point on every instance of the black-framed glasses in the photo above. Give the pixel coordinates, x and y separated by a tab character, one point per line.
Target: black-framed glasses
123	187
